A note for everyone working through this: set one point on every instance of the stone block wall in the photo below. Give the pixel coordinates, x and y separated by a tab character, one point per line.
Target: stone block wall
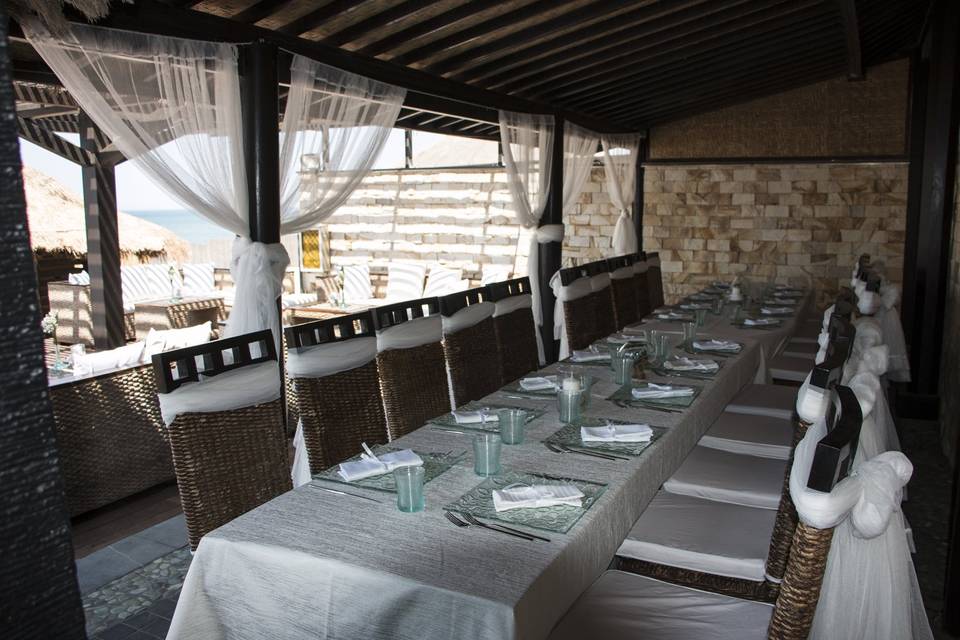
793	223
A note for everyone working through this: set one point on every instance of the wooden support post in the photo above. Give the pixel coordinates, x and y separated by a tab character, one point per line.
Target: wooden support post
260	107
407	148
551	253
638	190
103	241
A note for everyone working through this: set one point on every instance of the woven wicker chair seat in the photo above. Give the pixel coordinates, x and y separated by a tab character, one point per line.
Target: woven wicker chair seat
655	280
339	413
641	288
227	463
414	386
606	313
624	302
516	344
580	321
109	438
471	355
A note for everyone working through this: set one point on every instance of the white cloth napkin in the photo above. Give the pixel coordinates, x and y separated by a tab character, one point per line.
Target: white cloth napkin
716	345
689	364
544	383
772	310
368	467
617	433
674	316
654	391
588	356
540	495
759	322
462	416
694	306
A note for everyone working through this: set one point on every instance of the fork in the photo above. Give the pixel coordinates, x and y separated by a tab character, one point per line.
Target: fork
559	448
472	520
460	523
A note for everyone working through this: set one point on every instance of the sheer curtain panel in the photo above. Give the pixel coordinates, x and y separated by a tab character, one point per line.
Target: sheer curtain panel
579	147
172	107
620	156
334	127
527	143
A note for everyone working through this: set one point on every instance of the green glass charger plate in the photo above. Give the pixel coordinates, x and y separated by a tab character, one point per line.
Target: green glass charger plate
478	502
570	435
434	464
515	388
689	348
447	419
624	396
663	371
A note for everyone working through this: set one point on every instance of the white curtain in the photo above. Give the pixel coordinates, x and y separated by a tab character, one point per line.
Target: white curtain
620	156
527	143
579	147
172	107
334	126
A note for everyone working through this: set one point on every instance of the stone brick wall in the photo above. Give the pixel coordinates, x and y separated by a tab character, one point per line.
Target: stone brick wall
793	223
950	362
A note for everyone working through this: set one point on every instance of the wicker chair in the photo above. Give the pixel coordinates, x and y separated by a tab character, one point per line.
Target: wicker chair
606	322
641	286
624	291
655	280
332	369
579	308
513	327
470	345
74	309
227	462
413	376
109	437
600	611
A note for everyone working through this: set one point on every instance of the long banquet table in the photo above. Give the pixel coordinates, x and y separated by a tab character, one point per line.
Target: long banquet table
313	564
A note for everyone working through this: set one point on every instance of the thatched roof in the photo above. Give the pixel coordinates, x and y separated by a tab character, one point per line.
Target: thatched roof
55	216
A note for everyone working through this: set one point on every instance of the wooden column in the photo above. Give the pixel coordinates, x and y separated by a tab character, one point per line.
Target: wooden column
638	190
40	593
260	107
103	240
551	252
930	201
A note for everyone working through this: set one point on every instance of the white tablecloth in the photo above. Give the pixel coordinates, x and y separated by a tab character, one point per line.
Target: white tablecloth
312	564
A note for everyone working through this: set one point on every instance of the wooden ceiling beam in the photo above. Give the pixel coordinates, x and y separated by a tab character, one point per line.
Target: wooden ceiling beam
259	10
377	21
315	18
851	29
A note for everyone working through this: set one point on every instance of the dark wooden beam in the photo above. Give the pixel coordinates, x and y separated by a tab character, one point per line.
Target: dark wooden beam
44	137
639	190
315	18
45	95
407	148
258	90
851	29
259	10
479	30
103	242
377	21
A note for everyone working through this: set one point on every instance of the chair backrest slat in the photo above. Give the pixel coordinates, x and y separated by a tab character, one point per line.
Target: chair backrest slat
178	366
571	274
497	291
453	302
393	314
836	450
308	334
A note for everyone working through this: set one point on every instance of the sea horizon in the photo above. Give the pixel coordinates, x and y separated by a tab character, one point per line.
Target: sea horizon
185	223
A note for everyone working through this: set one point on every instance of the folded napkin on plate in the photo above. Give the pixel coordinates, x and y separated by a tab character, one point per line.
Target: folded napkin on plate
716	345
759	322
674	316
588	356
544	383
785	302
462	416
694	306
368	467
689	364
539	495
655	391
633	330
617	433
772	310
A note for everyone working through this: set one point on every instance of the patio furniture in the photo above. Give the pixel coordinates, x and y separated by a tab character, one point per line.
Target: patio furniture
490	273
623	290
322	311
641	285
225	428
177	314
470	345
72	304
405	281
602	297
574	293
413	376
443	281
108	436
514	328
356	282
332	365
655	280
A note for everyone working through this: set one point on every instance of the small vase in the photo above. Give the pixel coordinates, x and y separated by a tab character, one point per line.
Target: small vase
58	363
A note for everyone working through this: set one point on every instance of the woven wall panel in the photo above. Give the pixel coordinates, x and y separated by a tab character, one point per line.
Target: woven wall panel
38	588
834	118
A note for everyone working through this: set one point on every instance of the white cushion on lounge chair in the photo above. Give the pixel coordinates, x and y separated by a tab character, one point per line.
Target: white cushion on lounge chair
751	435
494	273
442	281
198	280
702	535
100	361
792	368
159	341
288	300
625	606
356	283
729	477
774	400
405	281
142	282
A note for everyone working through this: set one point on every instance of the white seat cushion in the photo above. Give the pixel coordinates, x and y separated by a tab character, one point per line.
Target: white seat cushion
199	279
442	281
702	535
624	606
356	282
288	300
729	477
793	368
751	435
774	400
405	281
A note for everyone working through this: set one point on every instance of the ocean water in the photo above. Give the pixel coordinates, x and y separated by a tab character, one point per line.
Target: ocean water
187	224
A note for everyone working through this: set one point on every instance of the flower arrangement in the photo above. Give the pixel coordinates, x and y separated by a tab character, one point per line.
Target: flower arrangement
49	325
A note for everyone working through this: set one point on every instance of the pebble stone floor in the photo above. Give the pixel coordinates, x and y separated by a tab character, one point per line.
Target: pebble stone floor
130	588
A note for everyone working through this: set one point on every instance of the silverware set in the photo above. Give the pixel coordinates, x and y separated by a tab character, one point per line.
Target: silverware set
344	493
469	520
636	404
562	448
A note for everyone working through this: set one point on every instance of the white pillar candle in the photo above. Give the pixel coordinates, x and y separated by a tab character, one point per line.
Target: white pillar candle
571	384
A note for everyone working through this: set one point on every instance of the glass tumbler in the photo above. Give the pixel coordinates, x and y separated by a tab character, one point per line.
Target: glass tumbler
622	365
486	454
513	424
569	405
409	488
701	316
689	332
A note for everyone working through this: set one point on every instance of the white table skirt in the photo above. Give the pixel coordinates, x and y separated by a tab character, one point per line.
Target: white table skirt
312	564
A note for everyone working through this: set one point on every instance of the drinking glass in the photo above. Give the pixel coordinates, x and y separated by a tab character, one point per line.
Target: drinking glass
663	348
513	423
689	332
701	317
653	350
486	454
409	488
569	402
622	365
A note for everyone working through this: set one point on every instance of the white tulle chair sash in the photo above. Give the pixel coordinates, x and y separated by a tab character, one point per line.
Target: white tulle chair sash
410	334
467	317
577	289
243	387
